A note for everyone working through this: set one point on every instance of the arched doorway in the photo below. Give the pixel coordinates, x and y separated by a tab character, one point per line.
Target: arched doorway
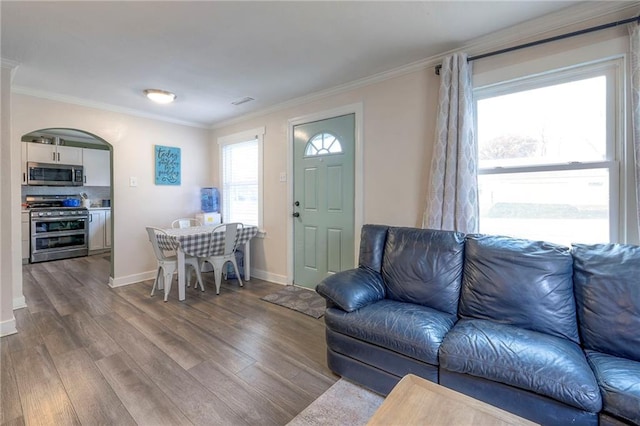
55	147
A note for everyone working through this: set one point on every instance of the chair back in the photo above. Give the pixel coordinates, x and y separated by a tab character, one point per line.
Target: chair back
185	222
231	231
153	238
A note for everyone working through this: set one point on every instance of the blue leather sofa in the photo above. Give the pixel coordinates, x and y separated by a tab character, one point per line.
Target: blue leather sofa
544	331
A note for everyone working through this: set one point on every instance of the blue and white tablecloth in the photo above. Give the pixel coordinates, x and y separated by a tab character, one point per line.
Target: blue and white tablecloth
195	241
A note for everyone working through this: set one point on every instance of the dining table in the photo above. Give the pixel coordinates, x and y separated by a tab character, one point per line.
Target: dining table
196	240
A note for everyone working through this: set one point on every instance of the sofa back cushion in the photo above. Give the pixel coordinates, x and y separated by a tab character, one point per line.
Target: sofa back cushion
372	241
607	288
523	283
424	266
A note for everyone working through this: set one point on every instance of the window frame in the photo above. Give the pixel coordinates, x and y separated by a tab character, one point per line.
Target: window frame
616	160
237	138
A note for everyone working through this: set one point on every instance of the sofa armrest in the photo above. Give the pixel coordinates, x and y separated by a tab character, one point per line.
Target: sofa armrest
352	289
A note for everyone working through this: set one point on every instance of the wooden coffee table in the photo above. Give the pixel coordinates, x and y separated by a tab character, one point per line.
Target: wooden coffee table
416	401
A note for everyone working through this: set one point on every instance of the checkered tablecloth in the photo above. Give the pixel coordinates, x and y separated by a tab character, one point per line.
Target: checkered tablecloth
195	240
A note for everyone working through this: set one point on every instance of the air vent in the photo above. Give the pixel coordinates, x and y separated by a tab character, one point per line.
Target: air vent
242	101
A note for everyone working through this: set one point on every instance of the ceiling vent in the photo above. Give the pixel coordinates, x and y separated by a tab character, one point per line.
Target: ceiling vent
242	101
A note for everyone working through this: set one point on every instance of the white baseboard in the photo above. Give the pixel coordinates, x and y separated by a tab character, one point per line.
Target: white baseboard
19	303
268	276
8	327
131	279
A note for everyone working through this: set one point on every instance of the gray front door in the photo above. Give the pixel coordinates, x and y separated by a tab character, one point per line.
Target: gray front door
323	187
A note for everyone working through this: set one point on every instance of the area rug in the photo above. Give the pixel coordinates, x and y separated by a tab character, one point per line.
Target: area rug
299	299
344	403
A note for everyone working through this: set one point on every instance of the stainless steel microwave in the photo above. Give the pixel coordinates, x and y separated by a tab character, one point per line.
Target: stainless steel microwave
54	174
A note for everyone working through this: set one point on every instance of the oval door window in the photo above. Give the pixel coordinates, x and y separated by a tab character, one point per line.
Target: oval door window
323	144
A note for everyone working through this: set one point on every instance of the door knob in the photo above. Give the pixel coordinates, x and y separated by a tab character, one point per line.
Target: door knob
297	204
296	214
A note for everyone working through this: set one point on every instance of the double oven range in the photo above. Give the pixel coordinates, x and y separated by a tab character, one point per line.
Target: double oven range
57	232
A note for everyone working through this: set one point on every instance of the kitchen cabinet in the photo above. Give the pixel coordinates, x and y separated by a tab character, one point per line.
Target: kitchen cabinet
99	230
49	153
26	236
96	230
97	167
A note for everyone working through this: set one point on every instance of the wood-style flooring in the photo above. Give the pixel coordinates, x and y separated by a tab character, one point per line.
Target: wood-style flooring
88	354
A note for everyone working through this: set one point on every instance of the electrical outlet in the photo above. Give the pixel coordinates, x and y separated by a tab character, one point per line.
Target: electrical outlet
133	181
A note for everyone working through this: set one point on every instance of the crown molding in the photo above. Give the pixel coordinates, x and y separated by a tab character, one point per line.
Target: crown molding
573	15
8	63
593	13
366	81
536	28
102	106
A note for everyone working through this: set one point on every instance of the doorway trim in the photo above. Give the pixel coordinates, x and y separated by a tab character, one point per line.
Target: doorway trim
358	212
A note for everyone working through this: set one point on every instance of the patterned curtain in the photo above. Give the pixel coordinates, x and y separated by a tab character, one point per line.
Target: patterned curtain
634	30
452	203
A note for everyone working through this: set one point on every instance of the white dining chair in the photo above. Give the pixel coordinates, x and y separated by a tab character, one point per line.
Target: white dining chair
218	262
168	264
185	222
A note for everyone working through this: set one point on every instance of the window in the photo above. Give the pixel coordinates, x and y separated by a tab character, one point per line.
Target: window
547	156
323	144
241	177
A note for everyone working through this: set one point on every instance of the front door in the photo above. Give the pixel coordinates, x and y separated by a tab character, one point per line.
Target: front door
323	188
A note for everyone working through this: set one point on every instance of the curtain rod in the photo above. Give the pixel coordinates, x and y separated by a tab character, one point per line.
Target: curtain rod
547	40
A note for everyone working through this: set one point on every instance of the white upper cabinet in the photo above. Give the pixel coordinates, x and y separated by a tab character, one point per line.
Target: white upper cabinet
97	168
46	153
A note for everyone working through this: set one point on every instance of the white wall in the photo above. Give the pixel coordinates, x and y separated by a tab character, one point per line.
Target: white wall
133	140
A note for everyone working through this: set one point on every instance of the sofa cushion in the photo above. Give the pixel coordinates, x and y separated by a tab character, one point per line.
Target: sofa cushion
525	359
424	266
352	289
619	384
519	282
412	330
607	288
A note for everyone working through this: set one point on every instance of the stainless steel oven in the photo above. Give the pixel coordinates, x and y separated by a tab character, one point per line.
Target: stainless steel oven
58	233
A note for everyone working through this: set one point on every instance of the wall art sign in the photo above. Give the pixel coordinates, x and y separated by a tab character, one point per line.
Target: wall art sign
167	165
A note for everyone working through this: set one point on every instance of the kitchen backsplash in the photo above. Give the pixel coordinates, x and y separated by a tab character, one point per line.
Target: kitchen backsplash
95	193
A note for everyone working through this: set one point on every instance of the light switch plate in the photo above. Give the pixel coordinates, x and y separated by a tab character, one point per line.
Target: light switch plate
283	176
133	181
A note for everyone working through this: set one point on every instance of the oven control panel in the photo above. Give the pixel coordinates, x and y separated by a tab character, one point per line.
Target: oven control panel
54	213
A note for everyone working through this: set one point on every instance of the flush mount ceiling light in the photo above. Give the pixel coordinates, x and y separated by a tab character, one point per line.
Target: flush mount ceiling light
160	96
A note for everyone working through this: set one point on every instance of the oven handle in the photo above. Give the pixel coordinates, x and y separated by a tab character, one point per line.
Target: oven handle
58	218
59	233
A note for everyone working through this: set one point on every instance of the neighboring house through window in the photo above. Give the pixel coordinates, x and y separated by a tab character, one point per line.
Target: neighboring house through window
241	177
549	155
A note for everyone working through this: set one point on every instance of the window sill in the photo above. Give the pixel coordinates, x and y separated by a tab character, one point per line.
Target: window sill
261	233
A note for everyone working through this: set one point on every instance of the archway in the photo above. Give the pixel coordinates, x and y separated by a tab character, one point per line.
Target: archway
78	145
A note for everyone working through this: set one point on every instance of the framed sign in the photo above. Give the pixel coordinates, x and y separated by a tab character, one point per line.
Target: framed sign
167	165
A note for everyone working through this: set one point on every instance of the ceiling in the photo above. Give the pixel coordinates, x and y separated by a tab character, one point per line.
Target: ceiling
211	54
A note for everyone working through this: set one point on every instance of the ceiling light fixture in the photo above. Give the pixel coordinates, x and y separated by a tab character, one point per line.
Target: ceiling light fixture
160	96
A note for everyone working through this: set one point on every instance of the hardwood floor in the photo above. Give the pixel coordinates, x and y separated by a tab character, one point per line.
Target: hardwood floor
88	354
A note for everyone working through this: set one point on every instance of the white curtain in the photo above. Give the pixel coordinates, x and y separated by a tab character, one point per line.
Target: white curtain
452	201
634	30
